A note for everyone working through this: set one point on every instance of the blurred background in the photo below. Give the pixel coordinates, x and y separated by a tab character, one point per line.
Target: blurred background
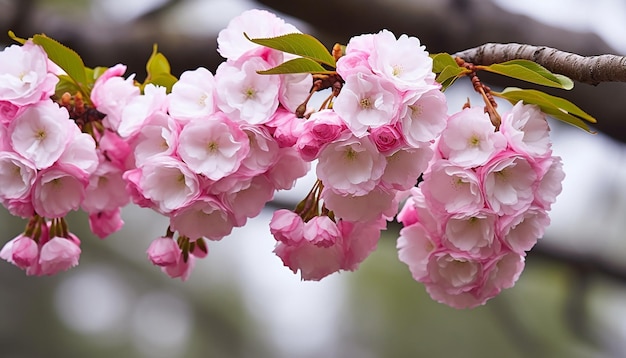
241	302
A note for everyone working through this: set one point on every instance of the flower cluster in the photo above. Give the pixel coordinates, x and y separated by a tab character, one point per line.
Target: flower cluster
204	157
370	146
46	162
45	248
483	203
209	151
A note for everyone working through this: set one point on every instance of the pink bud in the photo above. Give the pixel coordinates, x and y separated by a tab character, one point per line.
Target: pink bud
25	252
58	254
181	269
164	251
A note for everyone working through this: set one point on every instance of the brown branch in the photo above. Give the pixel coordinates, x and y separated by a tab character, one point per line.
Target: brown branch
585	69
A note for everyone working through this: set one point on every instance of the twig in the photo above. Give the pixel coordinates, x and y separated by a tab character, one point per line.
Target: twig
585	69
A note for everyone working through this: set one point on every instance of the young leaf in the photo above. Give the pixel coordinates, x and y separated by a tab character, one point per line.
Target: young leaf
298	44
556	107
67	59
296	65
158	69
441	61
530	72
15	38
448	75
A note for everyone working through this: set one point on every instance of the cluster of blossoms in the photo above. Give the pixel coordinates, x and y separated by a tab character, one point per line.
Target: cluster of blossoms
212	152
371	146
46	162
483	203
204	154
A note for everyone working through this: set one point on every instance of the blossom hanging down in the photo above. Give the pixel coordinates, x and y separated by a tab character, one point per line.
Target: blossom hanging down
481	206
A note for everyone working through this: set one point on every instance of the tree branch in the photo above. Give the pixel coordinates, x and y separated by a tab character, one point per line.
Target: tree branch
585	69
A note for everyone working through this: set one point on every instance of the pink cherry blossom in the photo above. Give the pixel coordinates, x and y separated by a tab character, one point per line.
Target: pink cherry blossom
24	75
367	101
526	129
453	272
181	269
294	89
8	111
474	234
24	252
470	139
351	165
404	167
402	61
324	126
550	185
355	60
423	117
387	139
193	95
453	188
263	151
502	272
314	262
140	108
415	245
285	127
80	152
59	254
204	217
214	147
256	24
287	227
158	136
367	207
116	150
105	223
321	231
244	95
58	190
248	201
105	191
164	251
508	181
111	93
418	209
288	168
17	176
360	239
521	232
169	183
41	133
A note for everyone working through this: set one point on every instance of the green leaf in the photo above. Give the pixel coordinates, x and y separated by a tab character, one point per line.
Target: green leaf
15	38
296	65
441	61
530	72
298	44
556	107
165	80
448	75
66	84
157	63
158	69
67	59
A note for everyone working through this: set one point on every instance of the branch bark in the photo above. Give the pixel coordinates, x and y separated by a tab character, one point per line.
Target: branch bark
585	69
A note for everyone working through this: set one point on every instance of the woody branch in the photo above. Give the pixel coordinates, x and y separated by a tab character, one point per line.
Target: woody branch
585	69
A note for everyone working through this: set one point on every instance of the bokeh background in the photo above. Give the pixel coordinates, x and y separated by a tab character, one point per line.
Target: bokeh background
241	302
